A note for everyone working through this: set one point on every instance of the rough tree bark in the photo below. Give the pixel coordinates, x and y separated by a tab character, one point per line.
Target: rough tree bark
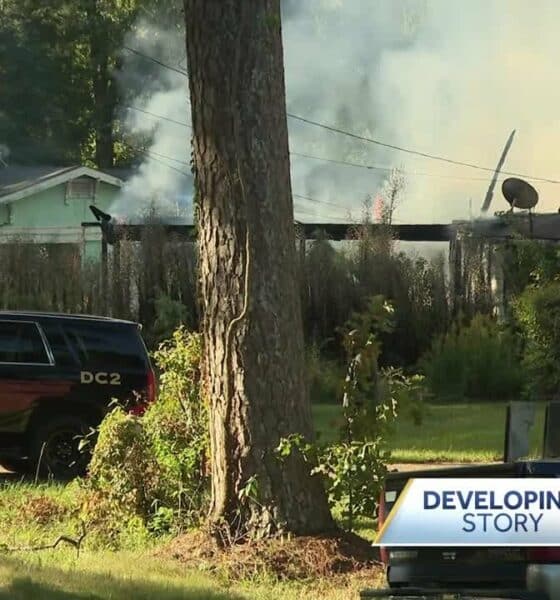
252	318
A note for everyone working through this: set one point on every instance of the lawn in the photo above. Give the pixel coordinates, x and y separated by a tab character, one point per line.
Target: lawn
58	575
449	433
38	514
33	515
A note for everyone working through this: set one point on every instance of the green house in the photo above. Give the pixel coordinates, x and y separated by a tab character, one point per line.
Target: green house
47	205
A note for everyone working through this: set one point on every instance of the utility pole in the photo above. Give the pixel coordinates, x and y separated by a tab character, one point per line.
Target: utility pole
490	192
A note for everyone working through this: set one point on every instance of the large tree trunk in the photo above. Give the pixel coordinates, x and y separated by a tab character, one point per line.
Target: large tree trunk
252	320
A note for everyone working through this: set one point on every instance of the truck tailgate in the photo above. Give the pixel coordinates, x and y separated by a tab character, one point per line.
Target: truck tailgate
464	567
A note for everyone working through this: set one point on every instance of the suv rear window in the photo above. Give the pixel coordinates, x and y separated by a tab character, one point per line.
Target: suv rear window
107	347
21	342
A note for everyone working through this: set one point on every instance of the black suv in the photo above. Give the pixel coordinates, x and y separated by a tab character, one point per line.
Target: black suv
59	375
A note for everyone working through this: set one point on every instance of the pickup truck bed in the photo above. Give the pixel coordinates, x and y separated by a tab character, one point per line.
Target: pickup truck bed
435	569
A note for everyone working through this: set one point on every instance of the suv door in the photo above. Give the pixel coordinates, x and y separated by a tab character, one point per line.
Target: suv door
27	373
113	361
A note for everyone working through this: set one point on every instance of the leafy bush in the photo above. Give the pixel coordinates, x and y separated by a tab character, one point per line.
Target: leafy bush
170	314
324	378
150	470
479	360
537	313
123	479
177	425
354	467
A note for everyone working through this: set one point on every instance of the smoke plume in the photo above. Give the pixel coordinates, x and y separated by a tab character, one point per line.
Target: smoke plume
445	78
441	77
163	183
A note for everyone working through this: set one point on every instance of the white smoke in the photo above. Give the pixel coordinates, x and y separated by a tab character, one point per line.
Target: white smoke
441	77
163	183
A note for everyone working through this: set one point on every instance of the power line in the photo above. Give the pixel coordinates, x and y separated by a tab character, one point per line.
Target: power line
155	60
167	157
415	152
302	197
323	158
387	169
154	158
157	156
297	209
156	116
362	138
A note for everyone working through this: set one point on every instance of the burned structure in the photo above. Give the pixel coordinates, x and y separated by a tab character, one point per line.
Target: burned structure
479	249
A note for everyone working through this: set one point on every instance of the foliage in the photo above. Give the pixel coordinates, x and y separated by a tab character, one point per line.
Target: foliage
338	282
151	470
324	377
53	277
354	466
178	427
529	262
69	52
409	392
479	360
537	313
163	272
122	482
170	314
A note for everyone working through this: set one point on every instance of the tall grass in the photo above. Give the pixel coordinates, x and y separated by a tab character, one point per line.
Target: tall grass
479	360
140	277
159	275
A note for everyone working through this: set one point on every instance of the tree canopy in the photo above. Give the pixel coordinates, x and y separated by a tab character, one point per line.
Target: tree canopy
61	65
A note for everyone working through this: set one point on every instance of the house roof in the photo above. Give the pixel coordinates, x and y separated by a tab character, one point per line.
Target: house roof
18	182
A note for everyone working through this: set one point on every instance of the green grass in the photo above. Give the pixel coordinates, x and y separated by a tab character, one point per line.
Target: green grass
33	515
38	514
59	575
449	433
125	576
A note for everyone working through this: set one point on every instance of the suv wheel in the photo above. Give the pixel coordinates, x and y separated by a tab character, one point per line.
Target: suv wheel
55	447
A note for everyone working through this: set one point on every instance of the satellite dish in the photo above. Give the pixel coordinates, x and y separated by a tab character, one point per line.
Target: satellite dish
519	193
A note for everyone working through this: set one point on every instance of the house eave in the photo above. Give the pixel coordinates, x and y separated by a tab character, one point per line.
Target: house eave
64	177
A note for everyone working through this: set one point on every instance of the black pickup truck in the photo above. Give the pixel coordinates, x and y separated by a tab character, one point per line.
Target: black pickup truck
468	572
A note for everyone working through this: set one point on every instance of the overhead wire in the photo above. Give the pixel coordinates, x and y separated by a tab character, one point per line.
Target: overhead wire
326	159
157	157
370	140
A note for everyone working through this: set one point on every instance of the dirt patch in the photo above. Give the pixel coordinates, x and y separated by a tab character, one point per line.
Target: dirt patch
284	558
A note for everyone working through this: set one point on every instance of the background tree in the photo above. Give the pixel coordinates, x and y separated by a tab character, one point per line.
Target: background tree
59	64
254	355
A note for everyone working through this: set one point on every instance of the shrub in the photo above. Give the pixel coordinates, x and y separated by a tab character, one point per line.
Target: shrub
537	313
122	480
177	425
170	314
324	378
479	360
354	467
150	471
